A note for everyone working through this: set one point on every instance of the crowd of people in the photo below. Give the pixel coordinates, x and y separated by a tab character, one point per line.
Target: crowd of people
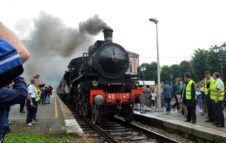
37	94
208	95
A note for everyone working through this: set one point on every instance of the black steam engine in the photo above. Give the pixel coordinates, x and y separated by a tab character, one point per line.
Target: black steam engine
98	83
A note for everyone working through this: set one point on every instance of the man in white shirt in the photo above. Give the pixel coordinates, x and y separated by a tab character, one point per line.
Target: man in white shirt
32	105
217	95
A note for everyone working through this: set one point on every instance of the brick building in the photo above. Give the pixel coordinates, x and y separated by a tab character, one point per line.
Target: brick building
133	62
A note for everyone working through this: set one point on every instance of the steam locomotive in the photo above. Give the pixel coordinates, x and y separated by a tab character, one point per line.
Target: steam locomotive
98	83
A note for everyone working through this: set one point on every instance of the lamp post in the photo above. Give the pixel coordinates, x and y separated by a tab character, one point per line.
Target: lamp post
143	69
155	21
218	50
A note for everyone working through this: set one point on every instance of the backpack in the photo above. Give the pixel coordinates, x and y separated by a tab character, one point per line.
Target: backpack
10	63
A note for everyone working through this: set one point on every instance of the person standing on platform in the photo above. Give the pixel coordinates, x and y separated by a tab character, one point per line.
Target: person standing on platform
48	93
208	81
167	94
153	97
199	98
176	104
217	97
32	101
190	98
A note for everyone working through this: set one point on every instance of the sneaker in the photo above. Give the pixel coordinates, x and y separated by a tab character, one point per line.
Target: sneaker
29	124
34	122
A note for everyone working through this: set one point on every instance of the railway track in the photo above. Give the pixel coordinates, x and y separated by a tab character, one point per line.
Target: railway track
116	130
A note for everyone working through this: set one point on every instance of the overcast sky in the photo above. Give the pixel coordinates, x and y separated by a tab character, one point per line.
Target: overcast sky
184	25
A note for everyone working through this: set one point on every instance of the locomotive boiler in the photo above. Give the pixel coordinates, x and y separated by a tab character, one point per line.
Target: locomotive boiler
97	83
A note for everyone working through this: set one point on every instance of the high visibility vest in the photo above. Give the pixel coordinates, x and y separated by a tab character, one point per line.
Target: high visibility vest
188	90
213	90
206	90
37	94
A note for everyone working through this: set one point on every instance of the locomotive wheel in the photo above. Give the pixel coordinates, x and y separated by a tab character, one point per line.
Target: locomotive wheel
96	115
85	109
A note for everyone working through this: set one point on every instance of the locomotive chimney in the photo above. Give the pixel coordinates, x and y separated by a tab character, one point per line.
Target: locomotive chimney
108	34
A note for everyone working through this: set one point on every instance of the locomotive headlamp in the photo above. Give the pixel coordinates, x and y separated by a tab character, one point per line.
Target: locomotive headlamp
95	83
98	99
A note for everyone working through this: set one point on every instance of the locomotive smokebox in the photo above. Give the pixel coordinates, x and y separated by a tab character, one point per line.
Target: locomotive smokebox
108	34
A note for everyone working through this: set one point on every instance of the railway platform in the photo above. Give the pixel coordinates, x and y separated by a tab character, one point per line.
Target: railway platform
53	119
175	122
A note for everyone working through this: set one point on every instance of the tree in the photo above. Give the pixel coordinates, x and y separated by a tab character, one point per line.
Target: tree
186	66
176	71
201	62
151	71
165	73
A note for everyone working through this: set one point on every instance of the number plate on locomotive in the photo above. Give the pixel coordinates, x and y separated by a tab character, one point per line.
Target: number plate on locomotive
118	96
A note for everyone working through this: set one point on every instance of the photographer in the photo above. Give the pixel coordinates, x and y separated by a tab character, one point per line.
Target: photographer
18	93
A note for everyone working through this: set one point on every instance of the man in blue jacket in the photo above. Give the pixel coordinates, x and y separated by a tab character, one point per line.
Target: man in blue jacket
168	94
17	94
8	97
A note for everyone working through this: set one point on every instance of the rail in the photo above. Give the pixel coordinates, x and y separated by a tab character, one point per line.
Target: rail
99	130
159	137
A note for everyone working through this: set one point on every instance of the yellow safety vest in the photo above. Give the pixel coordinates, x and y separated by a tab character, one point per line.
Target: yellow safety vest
37	94
206	90
213	90
188	90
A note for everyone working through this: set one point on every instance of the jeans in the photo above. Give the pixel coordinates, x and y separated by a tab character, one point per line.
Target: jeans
44	98
4	126
31	111
167	104
34	113
47	99
200	101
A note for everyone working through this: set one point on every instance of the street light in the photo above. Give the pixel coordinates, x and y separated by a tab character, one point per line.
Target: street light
143	69
217	50
158	64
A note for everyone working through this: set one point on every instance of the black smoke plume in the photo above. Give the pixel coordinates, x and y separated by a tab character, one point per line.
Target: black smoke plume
52	44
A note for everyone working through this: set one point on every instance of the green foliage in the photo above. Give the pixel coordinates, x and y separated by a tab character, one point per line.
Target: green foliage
165	73
176	70
31	138
151	71
201	61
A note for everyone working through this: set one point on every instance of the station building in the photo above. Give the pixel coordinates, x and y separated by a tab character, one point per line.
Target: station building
133	62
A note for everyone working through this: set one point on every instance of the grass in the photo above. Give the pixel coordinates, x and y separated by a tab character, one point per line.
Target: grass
32	138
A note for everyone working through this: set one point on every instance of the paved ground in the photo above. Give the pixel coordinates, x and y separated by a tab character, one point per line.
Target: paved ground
175	121
178	116
50	120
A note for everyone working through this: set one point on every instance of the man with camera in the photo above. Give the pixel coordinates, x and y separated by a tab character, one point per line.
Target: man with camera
10	68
